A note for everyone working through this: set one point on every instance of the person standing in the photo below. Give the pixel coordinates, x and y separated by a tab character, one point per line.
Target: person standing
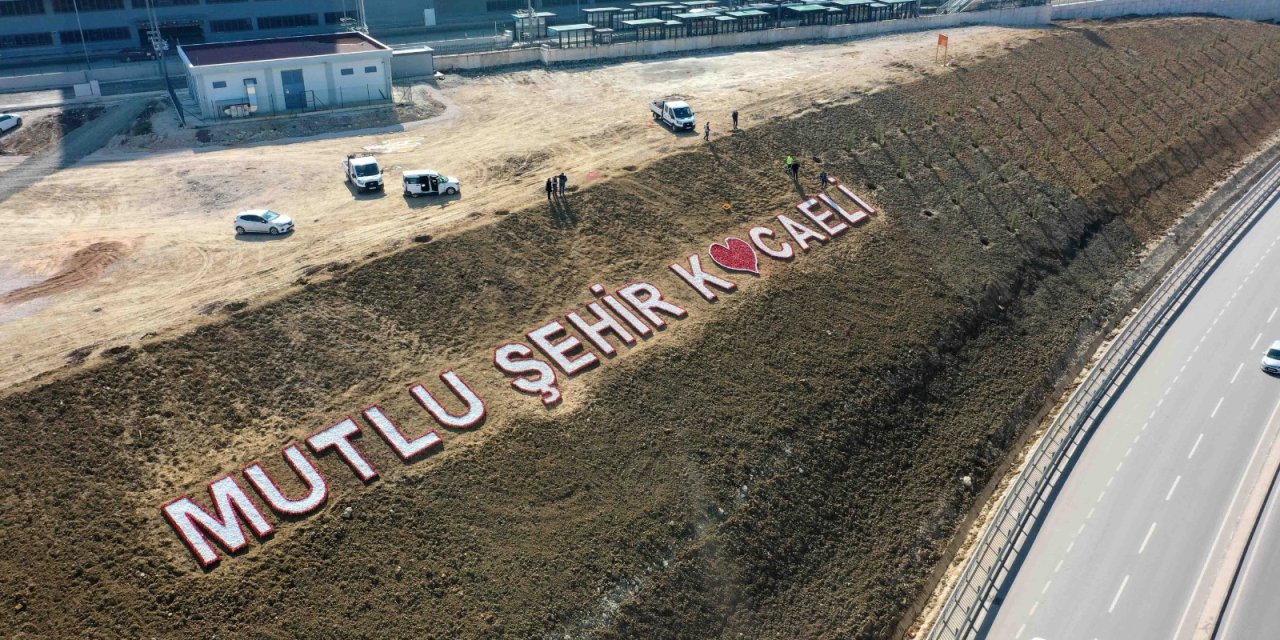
564	180
791	162
823	179
735	120
550	189
795	169
706	131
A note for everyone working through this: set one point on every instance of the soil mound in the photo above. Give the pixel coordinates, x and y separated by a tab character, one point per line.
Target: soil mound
44	133
786	464
83	265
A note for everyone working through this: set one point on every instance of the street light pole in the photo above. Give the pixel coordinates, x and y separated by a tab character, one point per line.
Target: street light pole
83	47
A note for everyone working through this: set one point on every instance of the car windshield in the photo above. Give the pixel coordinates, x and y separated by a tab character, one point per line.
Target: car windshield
1274	354
682	112
270	215
363	170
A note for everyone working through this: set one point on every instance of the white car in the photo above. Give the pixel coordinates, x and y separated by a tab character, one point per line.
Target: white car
431	183
9	121
1271	359
263	221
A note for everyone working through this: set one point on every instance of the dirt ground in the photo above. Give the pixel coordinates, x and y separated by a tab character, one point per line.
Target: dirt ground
43	128
502	134
786	463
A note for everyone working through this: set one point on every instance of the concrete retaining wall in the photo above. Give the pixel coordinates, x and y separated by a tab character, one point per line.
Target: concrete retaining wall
1021	16
1098	9
104	75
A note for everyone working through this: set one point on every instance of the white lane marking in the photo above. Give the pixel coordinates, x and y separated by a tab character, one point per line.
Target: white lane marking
1255	342
1118	466
1237	373
1144	425
1128	451
1090	514
1203	336
1058	567
1197	348
1235	496
1071	546
1184	367
1118	592
1216	407
1273	315
1147	538
1100	495
1195	446
1033	609
1159	403
1019	633
1081	529
1137	438
1046	587
1109	480
1175	486
1175	381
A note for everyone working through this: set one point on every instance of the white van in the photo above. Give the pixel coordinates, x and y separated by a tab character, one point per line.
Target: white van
430	183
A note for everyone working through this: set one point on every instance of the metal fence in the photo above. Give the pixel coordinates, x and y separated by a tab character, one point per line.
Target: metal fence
306	102
970	602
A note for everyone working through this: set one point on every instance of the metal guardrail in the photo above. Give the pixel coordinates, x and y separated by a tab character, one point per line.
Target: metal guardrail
970	601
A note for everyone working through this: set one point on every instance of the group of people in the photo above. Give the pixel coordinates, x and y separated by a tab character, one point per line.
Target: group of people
556	184
706	127
793	168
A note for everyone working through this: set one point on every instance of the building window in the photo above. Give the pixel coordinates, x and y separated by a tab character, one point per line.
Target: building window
370	69
19	40
70	6
348	72
95	35
142	4
288	22
335	17
21	7
236	24
219	84
505	5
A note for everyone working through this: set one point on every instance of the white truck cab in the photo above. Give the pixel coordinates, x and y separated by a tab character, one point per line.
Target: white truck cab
676	114
362	171
425	182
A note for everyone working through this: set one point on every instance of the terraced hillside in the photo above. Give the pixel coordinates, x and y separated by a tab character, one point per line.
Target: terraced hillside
786	462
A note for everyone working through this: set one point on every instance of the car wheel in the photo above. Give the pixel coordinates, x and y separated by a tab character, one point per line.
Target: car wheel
274	231
239	231
450	191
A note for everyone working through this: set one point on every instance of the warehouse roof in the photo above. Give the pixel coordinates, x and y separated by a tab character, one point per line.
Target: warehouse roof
280	48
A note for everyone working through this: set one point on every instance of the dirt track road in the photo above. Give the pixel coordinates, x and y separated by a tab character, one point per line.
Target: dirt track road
170	212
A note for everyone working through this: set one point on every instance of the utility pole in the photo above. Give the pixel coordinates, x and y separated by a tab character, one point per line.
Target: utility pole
83	47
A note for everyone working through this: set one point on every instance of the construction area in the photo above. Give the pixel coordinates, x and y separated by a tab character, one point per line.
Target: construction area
792	460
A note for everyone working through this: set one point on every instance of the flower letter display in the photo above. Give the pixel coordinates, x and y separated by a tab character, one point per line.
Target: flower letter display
571	344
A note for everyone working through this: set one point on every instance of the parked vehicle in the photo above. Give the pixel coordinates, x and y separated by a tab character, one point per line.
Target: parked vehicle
425	182
263	221
134	55
1271	359
9	121
362	171
676	114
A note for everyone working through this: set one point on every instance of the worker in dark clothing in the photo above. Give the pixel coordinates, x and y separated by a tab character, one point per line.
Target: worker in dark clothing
795	169
706	131
824	179
735	120
550	189
564	180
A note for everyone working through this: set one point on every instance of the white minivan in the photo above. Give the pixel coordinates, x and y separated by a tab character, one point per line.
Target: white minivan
425	182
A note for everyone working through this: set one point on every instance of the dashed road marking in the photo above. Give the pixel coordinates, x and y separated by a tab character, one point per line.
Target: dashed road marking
1046	587
1146	538
1195	446
1033	609
1090	514
1273	315
1058	567
1118	592
1128	451
1216	407
1171	488
1255	342
1237	373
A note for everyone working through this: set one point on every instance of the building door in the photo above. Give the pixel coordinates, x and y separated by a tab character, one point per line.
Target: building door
295	91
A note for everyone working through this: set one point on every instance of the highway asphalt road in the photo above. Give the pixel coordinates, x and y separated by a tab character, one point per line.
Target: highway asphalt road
1252	610
1137	535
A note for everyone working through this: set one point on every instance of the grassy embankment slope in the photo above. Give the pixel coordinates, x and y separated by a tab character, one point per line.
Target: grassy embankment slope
784	464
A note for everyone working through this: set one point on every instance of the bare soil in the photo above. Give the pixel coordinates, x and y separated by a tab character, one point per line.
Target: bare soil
46	129
784	464
501	134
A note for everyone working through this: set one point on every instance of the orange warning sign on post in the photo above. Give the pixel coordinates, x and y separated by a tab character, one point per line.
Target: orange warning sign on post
942	49
942	40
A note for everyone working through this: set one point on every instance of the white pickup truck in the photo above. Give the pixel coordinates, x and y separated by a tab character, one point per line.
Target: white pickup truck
676	114
362	171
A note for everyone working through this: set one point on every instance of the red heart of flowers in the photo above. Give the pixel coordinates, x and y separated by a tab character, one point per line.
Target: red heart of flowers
735	255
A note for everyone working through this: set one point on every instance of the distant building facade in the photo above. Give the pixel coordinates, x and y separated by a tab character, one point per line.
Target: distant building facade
49	28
